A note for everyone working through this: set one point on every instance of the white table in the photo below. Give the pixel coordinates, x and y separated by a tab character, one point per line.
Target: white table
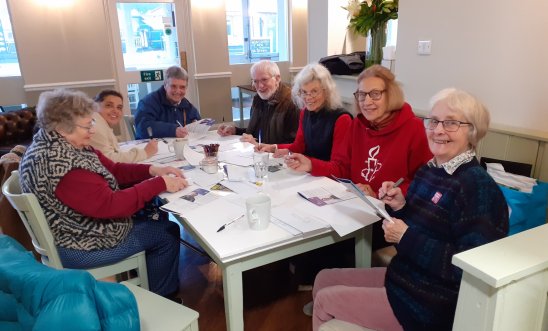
234	265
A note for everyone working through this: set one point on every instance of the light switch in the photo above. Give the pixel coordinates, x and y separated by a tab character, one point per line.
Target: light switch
424	47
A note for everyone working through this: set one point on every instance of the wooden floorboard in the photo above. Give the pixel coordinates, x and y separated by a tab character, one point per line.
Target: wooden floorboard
271	299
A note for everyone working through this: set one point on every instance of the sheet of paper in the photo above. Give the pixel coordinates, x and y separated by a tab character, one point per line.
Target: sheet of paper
345	217
199	128
236	238
192	156
379	209
244	188
300	220
203	179
239	174
322	196
291	230
190	199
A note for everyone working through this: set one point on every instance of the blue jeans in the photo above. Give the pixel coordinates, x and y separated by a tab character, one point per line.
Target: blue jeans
160	240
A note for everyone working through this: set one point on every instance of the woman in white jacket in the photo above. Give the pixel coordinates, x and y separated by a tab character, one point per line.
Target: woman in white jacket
110	112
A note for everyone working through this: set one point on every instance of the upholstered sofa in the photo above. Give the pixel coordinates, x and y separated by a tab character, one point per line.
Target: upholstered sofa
16	128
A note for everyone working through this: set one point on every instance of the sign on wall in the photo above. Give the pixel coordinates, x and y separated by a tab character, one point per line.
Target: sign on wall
152	75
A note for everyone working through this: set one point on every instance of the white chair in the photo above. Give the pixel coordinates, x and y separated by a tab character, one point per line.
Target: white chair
130	124
31	214
159	313
338	325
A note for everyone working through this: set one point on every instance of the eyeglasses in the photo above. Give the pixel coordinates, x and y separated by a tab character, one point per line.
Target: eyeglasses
448	125
263	81
374	95
88	128
312	94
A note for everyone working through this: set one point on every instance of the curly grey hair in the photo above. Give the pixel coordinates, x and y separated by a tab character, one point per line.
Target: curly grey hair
59	109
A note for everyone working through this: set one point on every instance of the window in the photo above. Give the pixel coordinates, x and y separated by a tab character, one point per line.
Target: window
257	30
9	64
148	34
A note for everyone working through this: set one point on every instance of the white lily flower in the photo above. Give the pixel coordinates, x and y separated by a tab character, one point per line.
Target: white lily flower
353	8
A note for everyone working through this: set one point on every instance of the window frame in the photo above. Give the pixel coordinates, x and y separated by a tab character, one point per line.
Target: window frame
10	47
279	51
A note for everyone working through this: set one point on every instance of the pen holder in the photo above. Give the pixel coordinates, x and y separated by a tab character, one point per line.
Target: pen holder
211	150
209	164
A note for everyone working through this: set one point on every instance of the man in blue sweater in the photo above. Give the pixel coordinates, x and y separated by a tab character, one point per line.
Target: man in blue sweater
166	111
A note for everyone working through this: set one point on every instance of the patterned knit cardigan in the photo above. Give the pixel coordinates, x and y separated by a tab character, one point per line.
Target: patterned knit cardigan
446	214
46	161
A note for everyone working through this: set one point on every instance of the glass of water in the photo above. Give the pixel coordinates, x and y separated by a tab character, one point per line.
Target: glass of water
260	164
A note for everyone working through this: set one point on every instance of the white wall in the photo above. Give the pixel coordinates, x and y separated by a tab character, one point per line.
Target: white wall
497	50
328	30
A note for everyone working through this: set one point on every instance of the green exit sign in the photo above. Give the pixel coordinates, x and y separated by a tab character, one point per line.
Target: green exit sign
152	75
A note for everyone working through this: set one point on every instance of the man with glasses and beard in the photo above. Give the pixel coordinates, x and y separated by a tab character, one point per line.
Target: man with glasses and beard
274	116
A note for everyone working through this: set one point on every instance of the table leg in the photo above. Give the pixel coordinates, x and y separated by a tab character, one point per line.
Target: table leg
363	247
233	293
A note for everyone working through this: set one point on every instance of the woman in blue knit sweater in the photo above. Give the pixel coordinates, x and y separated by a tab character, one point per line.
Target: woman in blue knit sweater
451	206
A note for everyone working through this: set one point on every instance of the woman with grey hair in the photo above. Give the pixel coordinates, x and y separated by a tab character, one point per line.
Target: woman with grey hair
452	205
91	202
323	124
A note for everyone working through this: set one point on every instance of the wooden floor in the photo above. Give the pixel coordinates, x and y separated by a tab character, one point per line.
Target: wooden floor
271	299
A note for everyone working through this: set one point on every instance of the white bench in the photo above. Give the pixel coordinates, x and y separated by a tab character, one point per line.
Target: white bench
159	313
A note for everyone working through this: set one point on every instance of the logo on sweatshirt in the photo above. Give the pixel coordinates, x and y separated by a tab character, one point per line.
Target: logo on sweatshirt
373	165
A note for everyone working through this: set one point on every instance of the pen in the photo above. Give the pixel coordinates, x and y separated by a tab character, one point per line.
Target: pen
179	123
227	224
149	131
396	184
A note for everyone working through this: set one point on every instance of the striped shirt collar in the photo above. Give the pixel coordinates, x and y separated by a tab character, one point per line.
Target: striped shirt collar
452	165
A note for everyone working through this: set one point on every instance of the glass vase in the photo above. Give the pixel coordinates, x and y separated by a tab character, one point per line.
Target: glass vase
377	38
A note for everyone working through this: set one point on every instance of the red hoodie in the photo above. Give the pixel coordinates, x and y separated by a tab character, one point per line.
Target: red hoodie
374	156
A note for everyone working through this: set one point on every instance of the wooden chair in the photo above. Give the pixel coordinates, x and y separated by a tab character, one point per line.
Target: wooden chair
31	214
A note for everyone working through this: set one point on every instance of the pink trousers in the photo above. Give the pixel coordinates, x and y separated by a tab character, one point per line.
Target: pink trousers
352	295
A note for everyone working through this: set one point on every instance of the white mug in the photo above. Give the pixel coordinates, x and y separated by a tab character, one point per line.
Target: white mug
178	146
258	211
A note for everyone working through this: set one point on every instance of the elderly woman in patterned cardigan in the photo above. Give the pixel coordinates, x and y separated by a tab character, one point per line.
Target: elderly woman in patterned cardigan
452	205
88	200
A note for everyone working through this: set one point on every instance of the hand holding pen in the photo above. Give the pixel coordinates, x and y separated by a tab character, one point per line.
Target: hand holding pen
181	131
387	187
391	195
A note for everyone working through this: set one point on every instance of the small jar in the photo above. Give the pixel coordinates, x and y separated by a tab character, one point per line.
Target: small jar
209	164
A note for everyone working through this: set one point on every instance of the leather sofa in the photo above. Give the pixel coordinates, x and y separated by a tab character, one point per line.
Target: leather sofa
16	128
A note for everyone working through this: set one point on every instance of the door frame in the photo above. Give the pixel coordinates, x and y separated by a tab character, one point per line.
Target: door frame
184	37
